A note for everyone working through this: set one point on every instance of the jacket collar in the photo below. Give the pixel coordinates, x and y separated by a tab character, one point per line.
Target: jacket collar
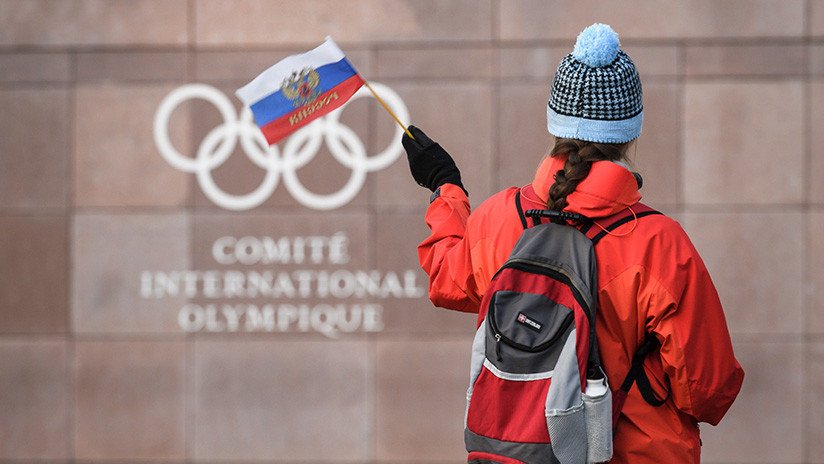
608	189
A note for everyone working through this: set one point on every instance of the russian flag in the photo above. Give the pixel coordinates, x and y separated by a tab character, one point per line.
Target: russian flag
299	89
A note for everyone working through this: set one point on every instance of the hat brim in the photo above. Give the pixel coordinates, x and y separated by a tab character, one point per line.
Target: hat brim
594	130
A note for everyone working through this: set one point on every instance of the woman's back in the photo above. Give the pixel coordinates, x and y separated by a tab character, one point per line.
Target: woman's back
650	280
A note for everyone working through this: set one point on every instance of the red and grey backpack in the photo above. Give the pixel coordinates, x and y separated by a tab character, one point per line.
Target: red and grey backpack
537	393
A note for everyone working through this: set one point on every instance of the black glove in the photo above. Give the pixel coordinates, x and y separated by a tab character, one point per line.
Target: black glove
430	164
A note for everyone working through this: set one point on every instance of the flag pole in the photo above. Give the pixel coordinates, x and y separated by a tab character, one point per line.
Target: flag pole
388	110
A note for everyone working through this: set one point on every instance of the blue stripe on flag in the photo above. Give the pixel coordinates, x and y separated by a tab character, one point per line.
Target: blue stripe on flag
276	105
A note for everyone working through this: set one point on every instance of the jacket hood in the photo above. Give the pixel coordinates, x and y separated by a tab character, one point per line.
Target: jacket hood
608	189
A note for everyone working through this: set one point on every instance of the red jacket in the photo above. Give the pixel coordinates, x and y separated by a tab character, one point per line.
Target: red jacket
650	279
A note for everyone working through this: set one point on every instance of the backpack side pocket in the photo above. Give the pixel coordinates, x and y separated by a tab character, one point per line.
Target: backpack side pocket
598	411
565	416
567	428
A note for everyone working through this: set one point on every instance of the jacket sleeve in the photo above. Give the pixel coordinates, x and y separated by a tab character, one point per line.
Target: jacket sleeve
696	350
445	254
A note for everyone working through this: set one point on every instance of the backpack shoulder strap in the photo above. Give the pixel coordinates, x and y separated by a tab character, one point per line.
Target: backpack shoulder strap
636	374
610	223
520	209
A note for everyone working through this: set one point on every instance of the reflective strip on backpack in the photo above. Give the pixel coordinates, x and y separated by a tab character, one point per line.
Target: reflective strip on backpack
533	453
516	377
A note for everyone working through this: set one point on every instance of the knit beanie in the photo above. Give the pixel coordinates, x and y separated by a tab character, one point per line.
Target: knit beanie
596	94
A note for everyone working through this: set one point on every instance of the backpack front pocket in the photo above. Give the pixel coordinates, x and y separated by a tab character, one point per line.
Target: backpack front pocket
521	325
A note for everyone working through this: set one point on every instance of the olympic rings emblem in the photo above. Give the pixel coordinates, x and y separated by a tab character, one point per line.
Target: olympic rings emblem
299	149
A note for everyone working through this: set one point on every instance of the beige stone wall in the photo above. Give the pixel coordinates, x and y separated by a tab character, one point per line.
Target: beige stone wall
91	371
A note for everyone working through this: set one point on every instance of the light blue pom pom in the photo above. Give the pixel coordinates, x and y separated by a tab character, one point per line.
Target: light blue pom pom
596	46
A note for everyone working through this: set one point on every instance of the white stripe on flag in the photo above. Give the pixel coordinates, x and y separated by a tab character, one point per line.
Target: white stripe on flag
269	81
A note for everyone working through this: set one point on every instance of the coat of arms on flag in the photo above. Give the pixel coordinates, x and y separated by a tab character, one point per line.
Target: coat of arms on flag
299	89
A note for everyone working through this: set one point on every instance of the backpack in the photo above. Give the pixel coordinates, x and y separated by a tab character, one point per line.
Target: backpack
537	393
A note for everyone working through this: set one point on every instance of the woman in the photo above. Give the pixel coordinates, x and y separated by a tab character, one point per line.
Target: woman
651	279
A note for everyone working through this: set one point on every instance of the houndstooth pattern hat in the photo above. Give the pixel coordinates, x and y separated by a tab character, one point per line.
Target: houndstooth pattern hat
596	94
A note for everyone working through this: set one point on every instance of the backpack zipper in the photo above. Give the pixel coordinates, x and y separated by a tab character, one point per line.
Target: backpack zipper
500	337
545	269
549	270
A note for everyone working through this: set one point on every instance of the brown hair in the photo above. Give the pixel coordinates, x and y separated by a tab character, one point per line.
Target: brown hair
580	156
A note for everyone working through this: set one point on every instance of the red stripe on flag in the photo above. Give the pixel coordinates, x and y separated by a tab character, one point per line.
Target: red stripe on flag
324	104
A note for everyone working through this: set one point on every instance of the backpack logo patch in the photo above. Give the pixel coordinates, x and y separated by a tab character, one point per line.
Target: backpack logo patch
530	323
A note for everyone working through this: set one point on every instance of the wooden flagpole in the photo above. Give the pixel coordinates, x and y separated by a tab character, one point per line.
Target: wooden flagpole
388	110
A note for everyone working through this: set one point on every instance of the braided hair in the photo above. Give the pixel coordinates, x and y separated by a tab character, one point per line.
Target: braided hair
580	156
